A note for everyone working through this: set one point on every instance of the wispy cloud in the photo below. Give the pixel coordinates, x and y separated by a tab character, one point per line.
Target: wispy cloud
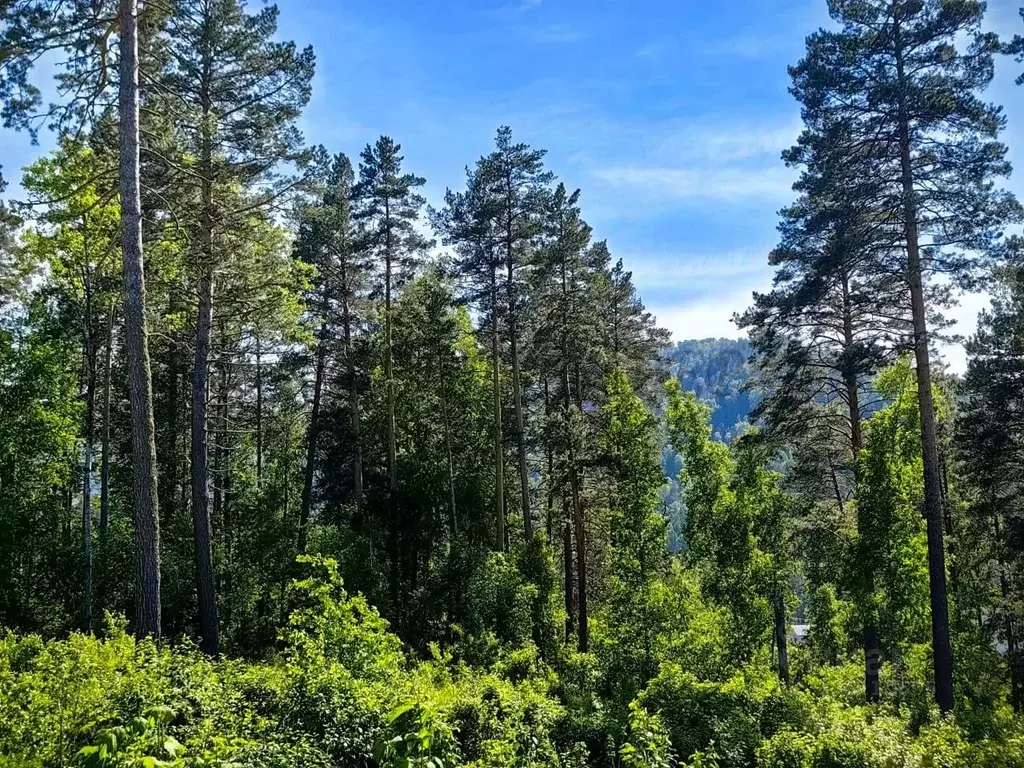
747	46
552	33
709	183
657	270
702	320
726	143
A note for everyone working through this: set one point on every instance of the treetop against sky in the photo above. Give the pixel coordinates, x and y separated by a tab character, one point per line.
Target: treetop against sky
670	116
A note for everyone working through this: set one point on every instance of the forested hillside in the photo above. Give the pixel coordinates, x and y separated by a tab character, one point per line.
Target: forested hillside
300	469
718	372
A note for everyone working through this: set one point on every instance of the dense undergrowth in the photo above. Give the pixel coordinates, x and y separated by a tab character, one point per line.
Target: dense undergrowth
340	690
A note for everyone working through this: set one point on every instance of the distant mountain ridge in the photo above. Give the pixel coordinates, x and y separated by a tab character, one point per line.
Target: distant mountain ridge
717	370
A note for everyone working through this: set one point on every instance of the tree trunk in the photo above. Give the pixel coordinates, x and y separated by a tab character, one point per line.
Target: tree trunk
581	555
517	400
309	471
574	481
259	412
451	460
872	656
941	646
89	439
140	383
568	578
499	458
781	637
353	396
389	374
205	588
1013	660
105	447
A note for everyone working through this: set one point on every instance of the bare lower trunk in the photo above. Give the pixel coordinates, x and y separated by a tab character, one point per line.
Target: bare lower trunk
577	509
454	520
517	405
105	448
581	561
140	384
1013	655
90	420
499	458
569	576
353	400
781	638
309	471
941	646
203	528
389	376
872	656
259	412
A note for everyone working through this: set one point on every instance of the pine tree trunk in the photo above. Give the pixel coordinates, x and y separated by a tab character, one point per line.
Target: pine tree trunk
259	412
781	637
89	439
568	573
353	396
581	560
309	471
499	458
205	587
451	459
105	447
549	457
941	646
389	377
1013	656
140	383
517	400
872	656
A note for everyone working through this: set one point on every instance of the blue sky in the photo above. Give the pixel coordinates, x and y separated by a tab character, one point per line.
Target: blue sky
670	115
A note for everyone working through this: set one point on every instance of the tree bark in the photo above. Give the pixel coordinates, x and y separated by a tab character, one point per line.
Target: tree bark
389	376
781	637
309	471
1013	660
353	394
872	656
89	438
517	395
140	383
259	412
205	587
568	577
105	447
499	457
941	646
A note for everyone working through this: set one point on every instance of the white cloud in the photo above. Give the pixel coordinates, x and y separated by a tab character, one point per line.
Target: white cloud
699	321
729	143
666	270
711	183
711	316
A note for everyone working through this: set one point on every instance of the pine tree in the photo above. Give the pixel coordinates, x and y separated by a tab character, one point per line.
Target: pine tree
564	338
386	203
239	93
907	98
467	223
76	240
329	241
84	31
990	438
834	318
516	190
